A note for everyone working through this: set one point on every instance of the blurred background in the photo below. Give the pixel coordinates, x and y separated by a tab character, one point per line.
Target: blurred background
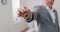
9	22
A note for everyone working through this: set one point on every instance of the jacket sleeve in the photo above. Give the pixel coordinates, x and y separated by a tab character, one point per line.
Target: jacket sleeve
34	14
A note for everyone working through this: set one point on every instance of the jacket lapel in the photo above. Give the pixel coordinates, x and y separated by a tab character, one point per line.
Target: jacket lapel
48	14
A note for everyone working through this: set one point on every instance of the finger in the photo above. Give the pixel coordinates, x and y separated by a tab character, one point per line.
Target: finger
20	11
24	10
25	7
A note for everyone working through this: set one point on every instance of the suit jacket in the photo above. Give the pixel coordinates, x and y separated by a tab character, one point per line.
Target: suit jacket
44	20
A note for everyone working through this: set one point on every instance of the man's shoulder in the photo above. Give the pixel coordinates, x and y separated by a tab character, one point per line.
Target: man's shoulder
38	6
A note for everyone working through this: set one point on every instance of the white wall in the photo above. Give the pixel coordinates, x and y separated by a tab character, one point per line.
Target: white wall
18	21
15	6
6	21
30	3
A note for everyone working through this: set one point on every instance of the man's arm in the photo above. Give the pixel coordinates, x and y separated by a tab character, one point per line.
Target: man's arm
34	14
27	14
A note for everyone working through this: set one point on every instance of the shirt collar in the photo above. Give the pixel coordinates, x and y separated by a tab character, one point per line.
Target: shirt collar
47	7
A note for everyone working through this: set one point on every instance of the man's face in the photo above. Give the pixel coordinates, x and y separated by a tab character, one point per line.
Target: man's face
49	2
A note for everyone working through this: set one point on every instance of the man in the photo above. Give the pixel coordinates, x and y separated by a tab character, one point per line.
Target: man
45	15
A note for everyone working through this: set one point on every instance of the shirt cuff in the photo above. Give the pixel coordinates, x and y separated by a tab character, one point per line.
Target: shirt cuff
30	19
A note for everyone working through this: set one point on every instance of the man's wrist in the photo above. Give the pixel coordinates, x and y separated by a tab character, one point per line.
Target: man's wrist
28	17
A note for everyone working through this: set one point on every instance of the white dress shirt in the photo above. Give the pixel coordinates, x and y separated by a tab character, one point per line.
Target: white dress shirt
51	13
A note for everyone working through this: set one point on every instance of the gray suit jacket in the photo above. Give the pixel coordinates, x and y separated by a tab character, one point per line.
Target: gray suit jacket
44	20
